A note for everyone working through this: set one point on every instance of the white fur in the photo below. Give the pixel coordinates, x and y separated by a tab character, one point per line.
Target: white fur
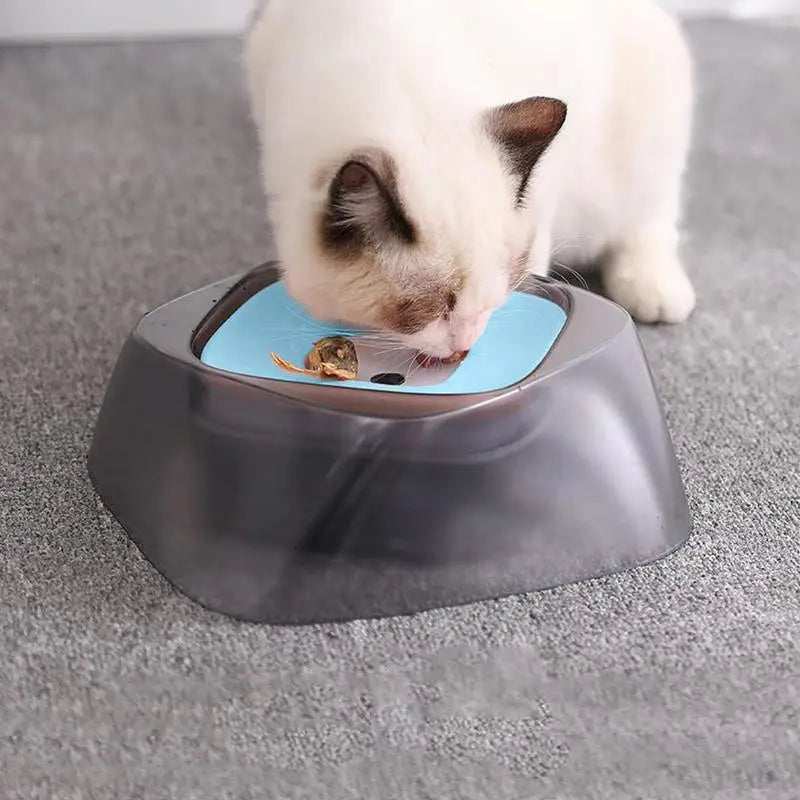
415	77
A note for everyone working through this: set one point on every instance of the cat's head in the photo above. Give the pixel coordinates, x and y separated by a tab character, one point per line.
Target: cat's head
422	239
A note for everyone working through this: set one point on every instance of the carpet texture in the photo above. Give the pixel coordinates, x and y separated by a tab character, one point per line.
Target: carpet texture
129	177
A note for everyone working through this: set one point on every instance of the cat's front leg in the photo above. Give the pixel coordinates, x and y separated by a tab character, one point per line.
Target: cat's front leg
644	274
540	252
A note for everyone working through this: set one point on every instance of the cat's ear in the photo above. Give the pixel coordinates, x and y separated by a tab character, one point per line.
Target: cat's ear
364	207
524	130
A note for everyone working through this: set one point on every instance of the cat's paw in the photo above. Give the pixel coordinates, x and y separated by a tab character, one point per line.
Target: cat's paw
650	292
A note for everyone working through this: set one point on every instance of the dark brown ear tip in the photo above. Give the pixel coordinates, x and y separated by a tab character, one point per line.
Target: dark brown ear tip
524	130
364	203
540	115
557	108
353	177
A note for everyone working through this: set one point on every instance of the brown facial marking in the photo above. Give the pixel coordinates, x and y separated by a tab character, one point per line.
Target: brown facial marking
364	207
524	130
411	314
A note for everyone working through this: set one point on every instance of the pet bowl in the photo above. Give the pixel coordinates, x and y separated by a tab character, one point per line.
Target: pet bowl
542	459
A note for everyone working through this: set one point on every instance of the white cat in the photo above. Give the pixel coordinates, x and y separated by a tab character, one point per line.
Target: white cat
419	155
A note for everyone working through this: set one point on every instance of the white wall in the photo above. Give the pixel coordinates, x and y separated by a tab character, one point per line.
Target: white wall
38	20
33	20
737	8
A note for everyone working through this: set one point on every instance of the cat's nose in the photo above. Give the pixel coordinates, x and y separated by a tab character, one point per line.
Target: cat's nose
462	342
465	332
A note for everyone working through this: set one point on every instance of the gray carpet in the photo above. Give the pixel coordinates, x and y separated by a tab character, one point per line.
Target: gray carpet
128	177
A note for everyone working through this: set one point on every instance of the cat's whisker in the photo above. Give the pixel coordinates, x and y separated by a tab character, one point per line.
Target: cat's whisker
379	336
389	351
327	329
566	244
413	361
574	273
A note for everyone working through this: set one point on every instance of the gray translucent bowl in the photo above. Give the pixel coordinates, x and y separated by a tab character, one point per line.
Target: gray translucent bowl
284	502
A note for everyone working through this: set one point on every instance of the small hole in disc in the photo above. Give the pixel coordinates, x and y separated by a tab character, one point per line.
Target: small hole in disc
388	379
